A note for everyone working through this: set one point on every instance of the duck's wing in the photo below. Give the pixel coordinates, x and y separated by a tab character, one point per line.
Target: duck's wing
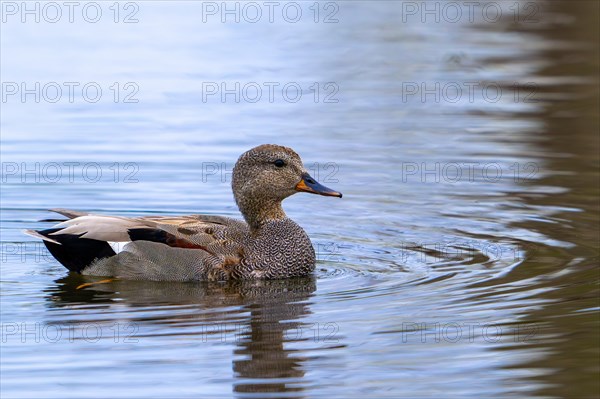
175	231
194	230
155	247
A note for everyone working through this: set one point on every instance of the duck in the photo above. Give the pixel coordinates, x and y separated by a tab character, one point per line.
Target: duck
266	244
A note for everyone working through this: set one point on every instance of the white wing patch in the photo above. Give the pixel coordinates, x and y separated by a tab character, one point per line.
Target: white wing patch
117	246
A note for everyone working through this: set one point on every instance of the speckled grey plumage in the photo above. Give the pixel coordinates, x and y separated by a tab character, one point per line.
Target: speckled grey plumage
268	245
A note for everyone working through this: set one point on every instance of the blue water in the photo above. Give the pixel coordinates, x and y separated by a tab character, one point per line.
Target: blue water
461	261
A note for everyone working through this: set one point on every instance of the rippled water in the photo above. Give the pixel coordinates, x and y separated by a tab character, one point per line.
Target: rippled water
461	262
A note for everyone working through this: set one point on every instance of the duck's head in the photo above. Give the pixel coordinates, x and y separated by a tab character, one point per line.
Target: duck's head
266	175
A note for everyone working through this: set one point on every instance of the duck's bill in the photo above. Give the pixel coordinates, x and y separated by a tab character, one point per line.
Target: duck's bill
310	185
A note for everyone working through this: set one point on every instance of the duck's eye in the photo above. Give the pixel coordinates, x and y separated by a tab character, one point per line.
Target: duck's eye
280	163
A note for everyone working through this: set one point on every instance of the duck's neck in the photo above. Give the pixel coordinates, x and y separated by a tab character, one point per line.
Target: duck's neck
259	211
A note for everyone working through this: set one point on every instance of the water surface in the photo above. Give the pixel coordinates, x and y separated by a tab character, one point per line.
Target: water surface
461	262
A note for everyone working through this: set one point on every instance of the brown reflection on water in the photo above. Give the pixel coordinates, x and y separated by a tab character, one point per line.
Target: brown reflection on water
262	363
567	327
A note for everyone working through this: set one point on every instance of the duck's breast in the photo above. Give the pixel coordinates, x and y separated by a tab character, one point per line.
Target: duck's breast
281	249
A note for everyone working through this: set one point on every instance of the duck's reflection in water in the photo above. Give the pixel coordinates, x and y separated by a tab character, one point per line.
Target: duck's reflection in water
263	316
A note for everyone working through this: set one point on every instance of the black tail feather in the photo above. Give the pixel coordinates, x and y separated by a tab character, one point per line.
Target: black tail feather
76	253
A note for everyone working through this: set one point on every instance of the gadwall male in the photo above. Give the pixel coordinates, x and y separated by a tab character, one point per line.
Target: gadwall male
268	245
